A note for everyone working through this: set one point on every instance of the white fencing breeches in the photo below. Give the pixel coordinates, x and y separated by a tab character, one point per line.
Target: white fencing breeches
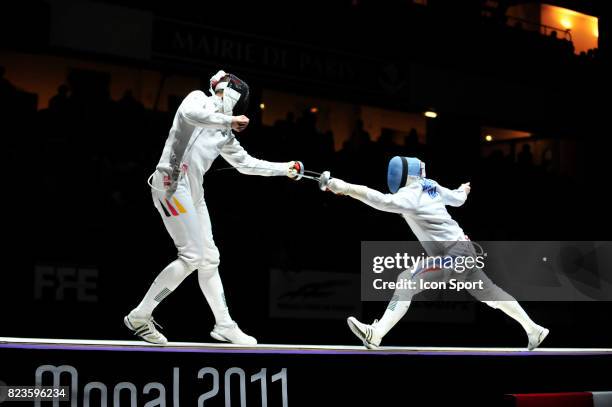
187	221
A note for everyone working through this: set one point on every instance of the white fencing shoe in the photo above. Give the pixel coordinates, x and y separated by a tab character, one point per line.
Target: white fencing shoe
232	334
145	328
367	333
537	337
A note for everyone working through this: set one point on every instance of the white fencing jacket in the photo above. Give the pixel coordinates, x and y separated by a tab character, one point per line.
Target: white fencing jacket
422	204
199	134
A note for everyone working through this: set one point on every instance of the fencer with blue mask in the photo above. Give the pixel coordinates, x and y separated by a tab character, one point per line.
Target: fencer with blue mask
422	203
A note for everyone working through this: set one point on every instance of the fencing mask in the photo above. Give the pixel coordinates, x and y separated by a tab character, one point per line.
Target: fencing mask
235	92
403	170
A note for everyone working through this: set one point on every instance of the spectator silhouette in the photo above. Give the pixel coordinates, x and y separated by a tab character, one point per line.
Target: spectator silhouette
359	139
60	102
281	136
309	135
385	141
129	104
288	122
7	89
356	152
547	160
412	145
287	126
11	110
525	158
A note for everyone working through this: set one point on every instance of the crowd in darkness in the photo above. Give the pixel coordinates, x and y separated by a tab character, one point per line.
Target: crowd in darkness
84	161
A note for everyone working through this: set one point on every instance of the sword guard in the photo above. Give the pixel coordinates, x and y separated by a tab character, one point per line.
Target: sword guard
324	180
297	170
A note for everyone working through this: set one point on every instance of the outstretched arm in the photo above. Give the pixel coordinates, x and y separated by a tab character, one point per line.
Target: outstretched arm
238	157
395	203
454	197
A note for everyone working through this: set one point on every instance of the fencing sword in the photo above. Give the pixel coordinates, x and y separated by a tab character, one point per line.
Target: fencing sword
298	173
322	178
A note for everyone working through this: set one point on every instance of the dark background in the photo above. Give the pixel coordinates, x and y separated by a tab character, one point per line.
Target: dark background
75	196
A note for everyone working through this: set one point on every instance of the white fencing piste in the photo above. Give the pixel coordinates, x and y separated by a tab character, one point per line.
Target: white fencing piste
49	343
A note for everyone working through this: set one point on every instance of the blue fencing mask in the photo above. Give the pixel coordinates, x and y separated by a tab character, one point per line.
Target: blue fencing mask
403	170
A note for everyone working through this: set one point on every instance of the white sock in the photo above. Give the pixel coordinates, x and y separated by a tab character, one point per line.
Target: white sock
212	288
164	284
514	310
394	312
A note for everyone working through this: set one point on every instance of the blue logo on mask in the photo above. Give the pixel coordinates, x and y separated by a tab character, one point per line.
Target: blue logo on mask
430	187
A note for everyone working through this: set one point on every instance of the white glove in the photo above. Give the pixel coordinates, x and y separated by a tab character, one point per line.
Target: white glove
215	80
295	168
337	186
239	123
466	187
170	186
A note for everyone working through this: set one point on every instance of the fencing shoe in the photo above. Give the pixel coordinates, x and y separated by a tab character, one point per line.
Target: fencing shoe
232	334
145	328
367	333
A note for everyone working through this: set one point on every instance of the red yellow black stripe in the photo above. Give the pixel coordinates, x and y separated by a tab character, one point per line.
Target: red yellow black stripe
164	208
172	210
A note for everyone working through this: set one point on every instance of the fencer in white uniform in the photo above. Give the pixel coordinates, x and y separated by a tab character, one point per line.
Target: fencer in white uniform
422	203
201	131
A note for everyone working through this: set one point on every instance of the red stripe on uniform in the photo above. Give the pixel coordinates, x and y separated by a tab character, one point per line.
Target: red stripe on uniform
172	210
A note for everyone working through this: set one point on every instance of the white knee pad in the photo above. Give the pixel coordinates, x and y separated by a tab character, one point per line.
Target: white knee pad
209	267
209	263
192	260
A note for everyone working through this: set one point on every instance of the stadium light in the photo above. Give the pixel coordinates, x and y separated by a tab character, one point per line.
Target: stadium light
566	23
